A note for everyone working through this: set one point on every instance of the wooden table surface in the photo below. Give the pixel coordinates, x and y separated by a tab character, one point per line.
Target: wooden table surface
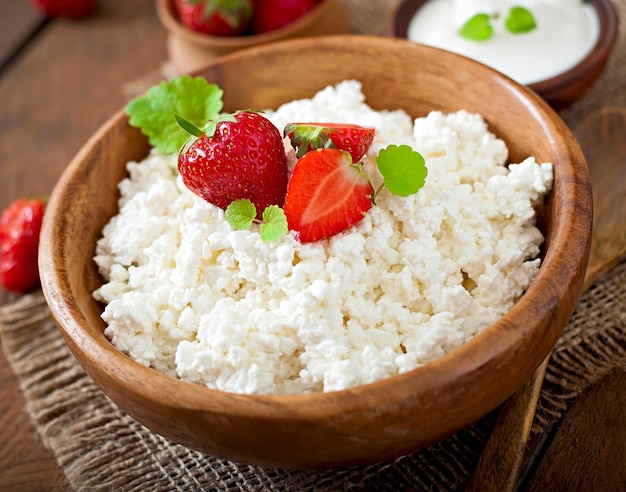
59	81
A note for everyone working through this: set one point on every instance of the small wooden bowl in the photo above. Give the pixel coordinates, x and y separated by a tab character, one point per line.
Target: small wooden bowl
367	423
562	90
190	50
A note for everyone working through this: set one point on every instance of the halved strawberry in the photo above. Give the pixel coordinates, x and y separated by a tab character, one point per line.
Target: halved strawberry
241	156
354	139
326	195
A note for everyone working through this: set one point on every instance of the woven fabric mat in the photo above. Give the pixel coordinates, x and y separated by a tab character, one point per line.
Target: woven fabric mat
101	448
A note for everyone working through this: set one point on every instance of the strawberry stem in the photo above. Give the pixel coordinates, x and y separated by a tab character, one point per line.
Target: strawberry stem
188	126
375	194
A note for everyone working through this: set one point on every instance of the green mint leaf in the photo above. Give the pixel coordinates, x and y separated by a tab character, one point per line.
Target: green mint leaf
192	97
477	28
404	169
275	224
240	214
520	20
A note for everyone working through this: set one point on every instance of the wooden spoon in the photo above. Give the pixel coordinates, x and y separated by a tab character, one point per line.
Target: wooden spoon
601	137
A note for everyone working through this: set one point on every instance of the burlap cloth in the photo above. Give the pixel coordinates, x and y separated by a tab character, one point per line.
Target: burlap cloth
101	448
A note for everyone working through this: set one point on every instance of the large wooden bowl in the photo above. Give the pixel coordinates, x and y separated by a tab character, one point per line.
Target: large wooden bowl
562	90
371	422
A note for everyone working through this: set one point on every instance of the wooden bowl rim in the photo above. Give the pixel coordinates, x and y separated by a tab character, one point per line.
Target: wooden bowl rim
505	335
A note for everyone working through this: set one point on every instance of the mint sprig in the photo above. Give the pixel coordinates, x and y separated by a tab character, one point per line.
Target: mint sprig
192	97
479	27
404	169
241	214
274	224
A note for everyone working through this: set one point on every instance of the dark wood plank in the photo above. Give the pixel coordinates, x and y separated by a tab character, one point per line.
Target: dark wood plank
589	449
19	19
67	83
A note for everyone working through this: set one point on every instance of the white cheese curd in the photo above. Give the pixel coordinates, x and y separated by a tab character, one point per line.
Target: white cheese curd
415	279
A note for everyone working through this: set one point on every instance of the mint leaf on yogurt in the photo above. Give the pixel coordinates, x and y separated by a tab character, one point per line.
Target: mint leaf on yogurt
520	20
477	28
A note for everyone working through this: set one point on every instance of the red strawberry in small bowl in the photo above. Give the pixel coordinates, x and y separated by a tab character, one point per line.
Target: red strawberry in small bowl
270	15
238	156
215	17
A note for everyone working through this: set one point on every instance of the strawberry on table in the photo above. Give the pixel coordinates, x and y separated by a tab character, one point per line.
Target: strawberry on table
354	139
20	225
239	156
215	17
326	195
274	14
65	8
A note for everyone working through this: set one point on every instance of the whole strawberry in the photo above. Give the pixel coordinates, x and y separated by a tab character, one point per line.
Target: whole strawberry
215	17
326	195
239	156
274	14
20	225
65	8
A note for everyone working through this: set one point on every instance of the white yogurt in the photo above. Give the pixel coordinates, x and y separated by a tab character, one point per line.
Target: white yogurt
566	32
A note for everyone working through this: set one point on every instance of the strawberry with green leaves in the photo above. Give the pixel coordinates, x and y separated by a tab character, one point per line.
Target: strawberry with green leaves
240	154
328	193
20	225
237	156
215	17
354	139
238	162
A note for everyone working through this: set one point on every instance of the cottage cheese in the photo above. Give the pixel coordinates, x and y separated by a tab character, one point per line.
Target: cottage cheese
416	278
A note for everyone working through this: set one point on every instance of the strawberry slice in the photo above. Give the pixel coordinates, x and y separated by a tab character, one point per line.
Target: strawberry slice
354	139
326	195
